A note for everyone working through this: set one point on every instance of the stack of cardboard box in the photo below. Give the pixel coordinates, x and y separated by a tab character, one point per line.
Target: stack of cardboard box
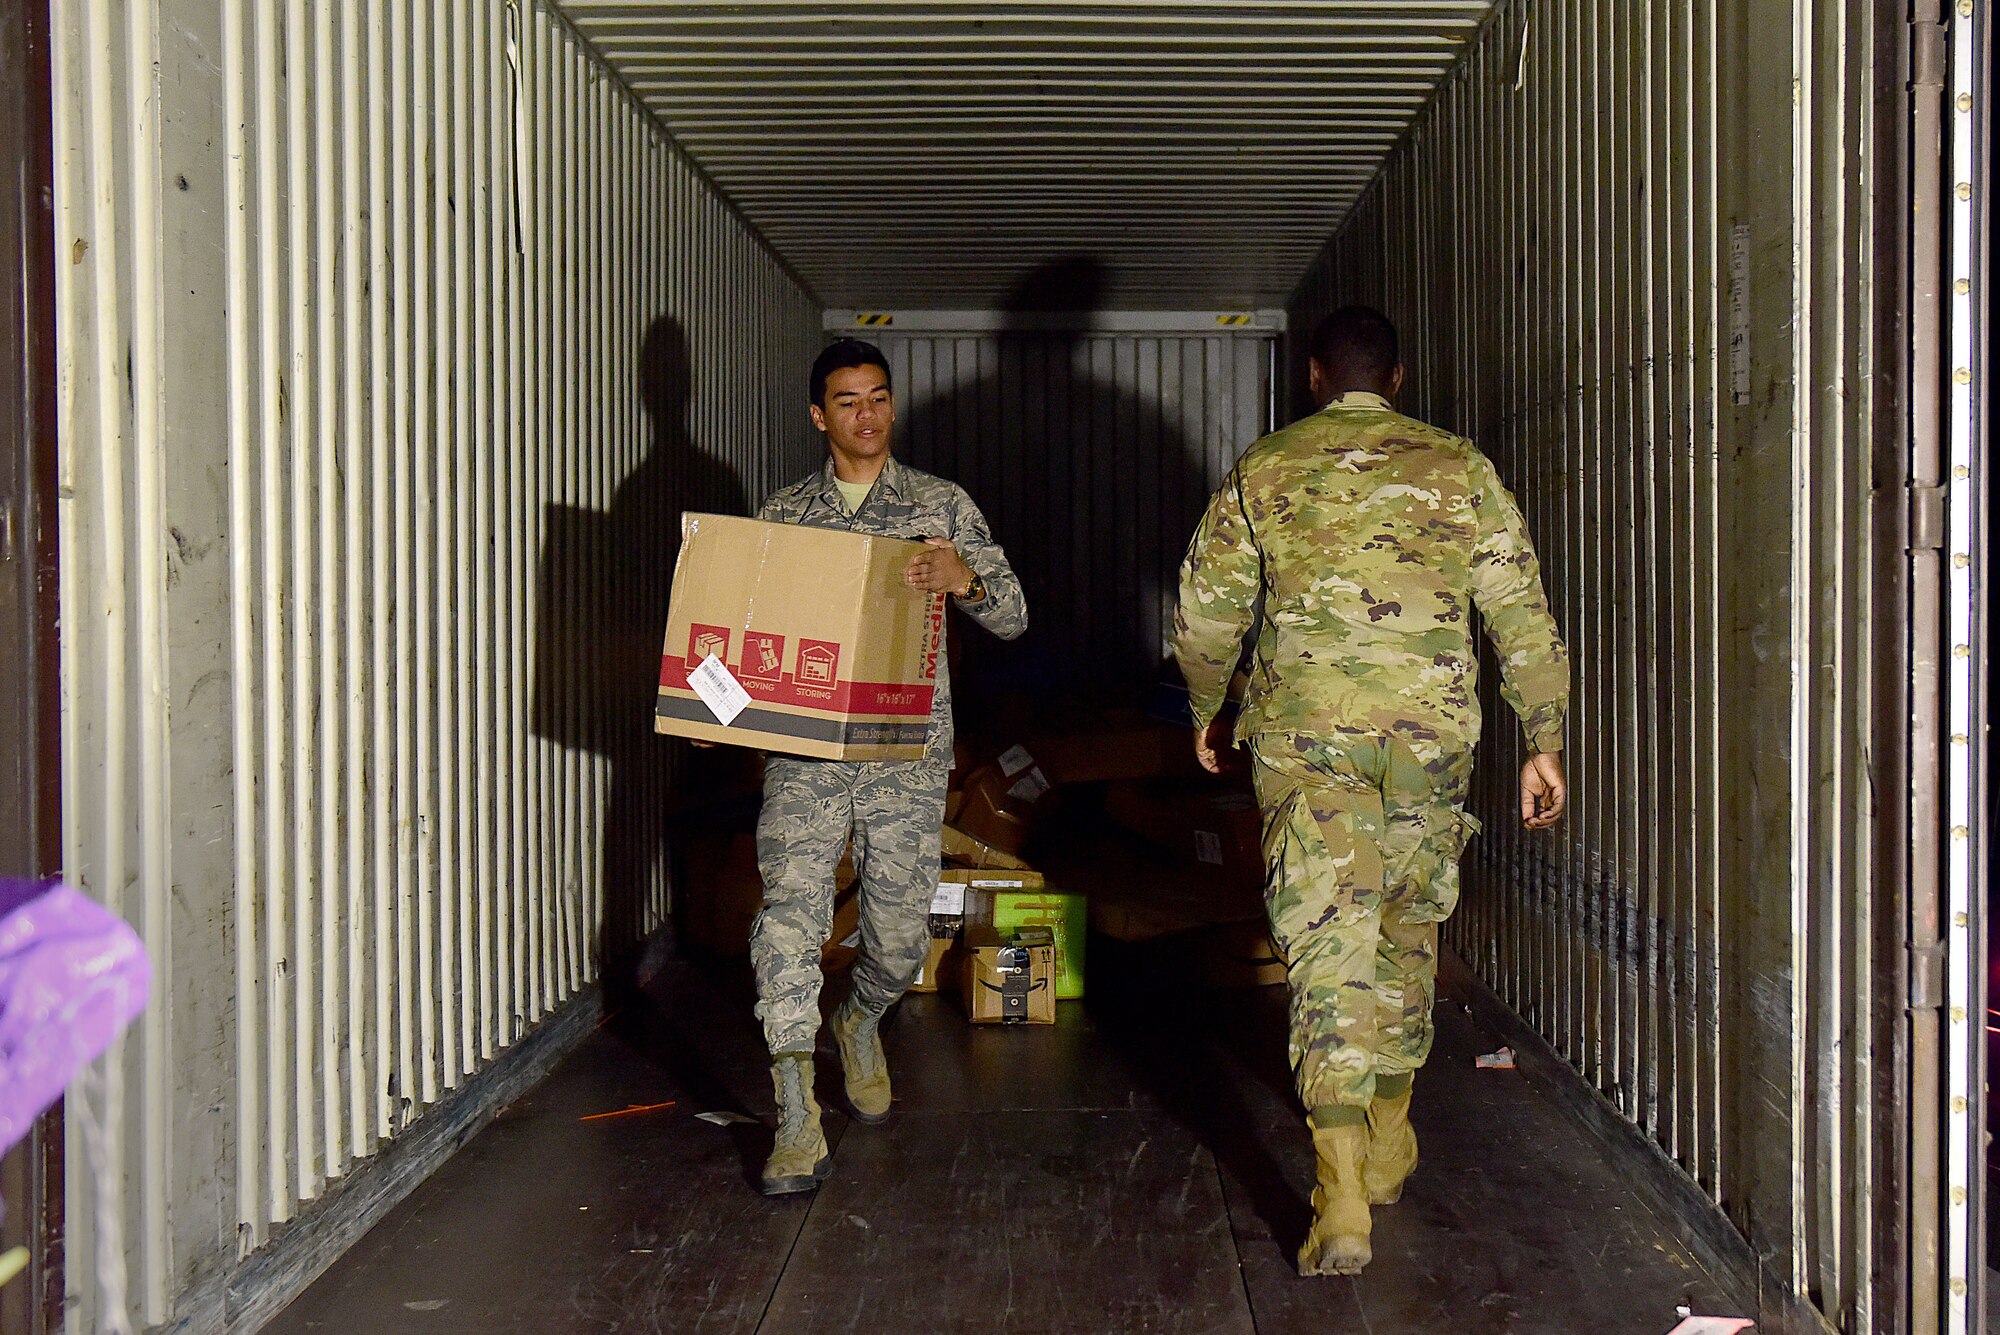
975	904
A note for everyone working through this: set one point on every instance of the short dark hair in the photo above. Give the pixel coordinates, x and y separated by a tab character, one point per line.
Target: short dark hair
1356	344
841	355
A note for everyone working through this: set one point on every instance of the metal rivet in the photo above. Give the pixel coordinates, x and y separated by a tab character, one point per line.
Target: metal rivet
1958	1195
1965	101
1960	739
1961	560
1965	190
1963	287
1958	1288
1961	472
1960	832
1958	1015
1965	11
1961	651
1958	1104
1963	375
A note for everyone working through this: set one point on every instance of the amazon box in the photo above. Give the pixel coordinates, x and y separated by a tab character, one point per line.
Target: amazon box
1009	900
1011	979
1064	915
800	640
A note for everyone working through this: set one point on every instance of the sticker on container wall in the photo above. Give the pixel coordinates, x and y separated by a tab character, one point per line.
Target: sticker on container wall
1208	847
949	899
1015	759
1031	786
719	690
1739	313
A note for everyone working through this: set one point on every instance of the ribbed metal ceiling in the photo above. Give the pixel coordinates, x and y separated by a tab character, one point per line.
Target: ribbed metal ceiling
926	153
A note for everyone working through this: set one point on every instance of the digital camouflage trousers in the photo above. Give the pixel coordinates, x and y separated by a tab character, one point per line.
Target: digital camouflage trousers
894	812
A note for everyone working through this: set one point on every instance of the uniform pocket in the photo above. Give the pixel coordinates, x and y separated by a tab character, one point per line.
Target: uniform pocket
1437	866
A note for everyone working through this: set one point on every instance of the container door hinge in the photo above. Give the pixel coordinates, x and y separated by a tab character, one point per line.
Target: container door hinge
1927	976
1927	517
1927	54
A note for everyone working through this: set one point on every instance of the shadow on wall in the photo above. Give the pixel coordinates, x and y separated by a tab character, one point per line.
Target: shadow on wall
1086	478
603	589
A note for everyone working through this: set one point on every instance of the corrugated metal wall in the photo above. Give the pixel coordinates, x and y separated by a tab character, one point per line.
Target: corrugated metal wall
1628	247
387	328
1092	456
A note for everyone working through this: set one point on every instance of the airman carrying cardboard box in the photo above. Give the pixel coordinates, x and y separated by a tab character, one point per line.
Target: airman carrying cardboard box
800	640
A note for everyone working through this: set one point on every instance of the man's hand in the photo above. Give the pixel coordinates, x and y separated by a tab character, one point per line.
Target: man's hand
1209	744
938	569
1544	791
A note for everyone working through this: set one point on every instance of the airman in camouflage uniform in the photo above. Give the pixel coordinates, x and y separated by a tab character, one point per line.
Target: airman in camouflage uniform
893	810
1372	537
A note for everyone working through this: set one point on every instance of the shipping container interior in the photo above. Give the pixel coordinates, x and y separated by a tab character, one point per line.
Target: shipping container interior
389	342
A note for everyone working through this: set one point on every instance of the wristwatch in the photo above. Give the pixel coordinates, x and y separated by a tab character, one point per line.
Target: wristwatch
975	591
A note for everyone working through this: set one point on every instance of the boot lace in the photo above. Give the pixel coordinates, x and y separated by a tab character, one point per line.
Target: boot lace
791	1102
861	1039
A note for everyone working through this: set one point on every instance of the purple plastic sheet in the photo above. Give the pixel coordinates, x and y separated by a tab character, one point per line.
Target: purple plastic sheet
72	974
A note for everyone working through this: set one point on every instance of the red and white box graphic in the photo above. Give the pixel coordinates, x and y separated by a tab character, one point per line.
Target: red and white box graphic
819	664
763	656
706	640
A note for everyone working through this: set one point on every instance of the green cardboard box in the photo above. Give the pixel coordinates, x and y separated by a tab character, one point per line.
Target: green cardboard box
1063	914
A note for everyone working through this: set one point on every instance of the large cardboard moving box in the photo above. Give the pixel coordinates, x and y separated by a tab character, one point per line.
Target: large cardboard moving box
800	640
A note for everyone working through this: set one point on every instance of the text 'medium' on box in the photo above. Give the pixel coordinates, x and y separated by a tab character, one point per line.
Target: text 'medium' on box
799	640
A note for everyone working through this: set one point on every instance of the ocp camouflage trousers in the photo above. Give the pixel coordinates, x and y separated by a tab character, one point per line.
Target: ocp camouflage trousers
1362	837
894	811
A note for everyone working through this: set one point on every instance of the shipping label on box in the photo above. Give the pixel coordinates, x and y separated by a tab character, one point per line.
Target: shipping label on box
976	887
800	640
947	914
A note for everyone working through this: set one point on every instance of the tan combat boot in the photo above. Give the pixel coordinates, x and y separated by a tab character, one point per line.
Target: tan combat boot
799	1161
865	1069
1392	1142
1338	1242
